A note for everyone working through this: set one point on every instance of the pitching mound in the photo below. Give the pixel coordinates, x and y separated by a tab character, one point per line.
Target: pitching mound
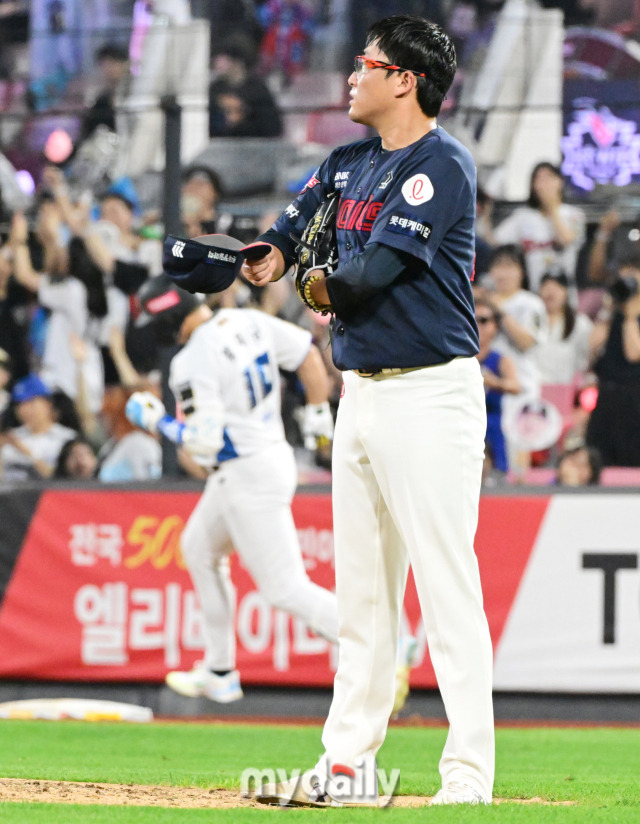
76	792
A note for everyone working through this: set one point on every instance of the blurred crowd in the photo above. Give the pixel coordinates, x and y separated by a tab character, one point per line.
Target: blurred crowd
559	323
558	307
71	351
558	319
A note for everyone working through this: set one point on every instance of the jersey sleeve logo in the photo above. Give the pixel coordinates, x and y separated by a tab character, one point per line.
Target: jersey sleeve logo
417	190
313	181
406	225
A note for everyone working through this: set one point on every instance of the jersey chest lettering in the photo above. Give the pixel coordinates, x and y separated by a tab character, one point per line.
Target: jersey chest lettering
358	214
370	182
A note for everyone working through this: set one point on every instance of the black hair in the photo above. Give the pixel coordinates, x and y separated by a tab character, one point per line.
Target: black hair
208	172
111	51
482	197
480	301
631	260
83	267
593	456
569	320
5	212
595	462
513	252
65	411
111	195
568	312
534	200
239	47
61	470
415	43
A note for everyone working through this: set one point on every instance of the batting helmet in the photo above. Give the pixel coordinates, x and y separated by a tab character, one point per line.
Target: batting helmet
165	305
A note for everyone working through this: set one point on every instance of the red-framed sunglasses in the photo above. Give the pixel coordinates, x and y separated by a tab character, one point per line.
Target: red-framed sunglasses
363	64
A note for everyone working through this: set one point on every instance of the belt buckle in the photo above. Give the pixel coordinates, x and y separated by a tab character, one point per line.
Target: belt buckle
363	373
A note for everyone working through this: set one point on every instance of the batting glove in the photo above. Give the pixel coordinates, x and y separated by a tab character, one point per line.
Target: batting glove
145	410
317	425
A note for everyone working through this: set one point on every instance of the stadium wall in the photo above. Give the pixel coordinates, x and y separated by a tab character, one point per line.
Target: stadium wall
94	590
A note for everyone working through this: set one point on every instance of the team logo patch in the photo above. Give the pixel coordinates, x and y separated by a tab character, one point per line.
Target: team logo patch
417	190
387	180
313	181
404	225
178	248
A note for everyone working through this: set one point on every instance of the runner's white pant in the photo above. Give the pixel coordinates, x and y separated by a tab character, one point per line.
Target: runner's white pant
407	462
246	504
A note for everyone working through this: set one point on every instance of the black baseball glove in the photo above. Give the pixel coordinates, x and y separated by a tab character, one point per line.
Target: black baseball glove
317	249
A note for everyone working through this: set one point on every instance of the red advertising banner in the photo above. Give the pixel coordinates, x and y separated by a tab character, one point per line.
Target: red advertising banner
100	591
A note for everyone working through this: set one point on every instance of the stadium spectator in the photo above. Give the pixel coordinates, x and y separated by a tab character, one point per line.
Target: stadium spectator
232	17
112	61
115	260
12	317
76	460
500	377
120	248
288	26
580	465
566	351
65	298
521	320
613	426
473	23
520	314
16	302
201	191
550	232
484	212
611	244
130	454
240	103
30	451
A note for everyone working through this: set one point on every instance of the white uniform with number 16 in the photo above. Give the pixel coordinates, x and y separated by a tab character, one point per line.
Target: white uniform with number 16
232	361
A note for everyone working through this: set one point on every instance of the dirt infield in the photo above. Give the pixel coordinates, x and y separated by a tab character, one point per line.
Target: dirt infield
76	792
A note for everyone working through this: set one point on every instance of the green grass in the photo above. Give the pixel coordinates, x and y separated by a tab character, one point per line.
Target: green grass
597	768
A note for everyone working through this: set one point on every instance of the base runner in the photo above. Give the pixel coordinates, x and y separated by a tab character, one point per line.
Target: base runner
227	387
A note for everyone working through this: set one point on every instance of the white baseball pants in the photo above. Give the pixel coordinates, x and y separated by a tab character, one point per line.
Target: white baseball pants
246	505
407	462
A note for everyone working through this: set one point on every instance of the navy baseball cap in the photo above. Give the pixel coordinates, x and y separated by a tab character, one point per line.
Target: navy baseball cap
207	264
30	387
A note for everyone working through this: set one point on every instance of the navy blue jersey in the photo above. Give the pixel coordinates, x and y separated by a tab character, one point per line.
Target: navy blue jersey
419	201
